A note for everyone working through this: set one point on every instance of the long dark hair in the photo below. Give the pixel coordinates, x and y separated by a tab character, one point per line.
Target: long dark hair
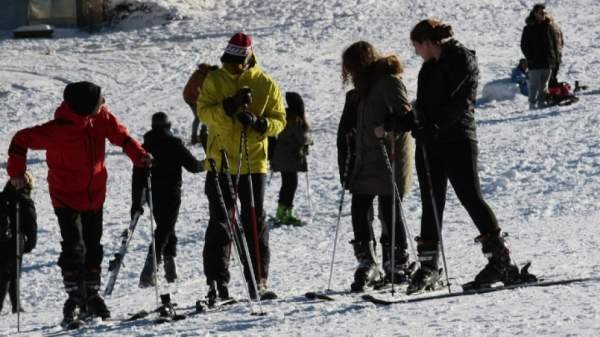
296	108
431	30
362	63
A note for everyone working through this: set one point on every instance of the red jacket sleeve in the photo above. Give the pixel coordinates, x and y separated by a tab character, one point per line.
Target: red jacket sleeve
118	135
35	138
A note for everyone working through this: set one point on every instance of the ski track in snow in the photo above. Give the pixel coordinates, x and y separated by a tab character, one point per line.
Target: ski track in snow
540	170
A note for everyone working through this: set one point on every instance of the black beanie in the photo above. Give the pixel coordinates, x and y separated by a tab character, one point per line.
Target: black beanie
82	97
160	120
295	103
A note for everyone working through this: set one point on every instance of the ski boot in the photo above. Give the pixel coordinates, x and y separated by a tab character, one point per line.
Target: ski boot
170	268
74	307
367	273
427	277
95	305
147	276
500	268
401	270
291	219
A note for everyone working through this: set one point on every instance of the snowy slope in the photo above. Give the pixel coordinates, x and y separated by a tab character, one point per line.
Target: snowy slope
540	170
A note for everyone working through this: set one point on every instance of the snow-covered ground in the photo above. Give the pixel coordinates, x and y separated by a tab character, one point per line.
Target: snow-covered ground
540	170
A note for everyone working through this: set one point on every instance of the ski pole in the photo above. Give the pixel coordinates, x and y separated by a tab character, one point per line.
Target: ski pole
310	208
154	259
337	226
240	228
19	258
393	179
438	225
253	220
219	191
436	217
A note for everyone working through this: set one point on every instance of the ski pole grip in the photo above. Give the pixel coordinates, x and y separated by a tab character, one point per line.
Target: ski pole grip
213	165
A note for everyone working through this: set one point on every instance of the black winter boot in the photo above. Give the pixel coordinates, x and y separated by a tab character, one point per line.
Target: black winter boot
95	304
427	277
367	273
401	269
500	268
74	307
147	275
170	268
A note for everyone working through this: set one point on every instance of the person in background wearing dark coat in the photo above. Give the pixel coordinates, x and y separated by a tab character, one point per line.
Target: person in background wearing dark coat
540	45
170	156
289	157
380	94
8	238
444	128
75	145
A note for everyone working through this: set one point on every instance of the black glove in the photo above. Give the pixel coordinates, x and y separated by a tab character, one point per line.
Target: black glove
29	244
426	132
233	103
136	209
246	118
399	123
260	125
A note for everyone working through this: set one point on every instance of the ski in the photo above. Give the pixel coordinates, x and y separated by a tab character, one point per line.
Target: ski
115	264
332	295
540	283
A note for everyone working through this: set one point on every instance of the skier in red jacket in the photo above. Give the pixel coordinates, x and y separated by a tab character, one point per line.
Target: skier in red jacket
75	151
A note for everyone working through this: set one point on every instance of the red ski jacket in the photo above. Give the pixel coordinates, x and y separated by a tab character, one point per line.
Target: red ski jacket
75	152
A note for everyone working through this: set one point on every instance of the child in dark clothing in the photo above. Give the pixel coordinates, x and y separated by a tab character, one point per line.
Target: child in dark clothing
289	157
9	197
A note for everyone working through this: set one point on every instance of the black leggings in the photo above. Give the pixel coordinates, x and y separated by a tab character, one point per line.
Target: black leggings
289	184
457	162
362	219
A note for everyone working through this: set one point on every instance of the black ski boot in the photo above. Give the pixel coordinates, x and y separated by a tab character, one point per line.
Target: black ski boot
367	273
223	291
95	305
74	307
427	277
402	270
500	268
147	275
170	268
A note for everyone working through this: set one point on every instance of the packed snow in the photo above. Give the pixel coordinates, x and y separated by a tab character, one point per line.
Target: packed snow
540	170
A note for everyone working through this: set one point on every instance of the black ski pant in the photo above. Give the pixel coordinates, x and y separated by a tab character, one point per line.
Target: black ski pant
289	184
455	162
81	256
8	282
218	240
362	219
166	211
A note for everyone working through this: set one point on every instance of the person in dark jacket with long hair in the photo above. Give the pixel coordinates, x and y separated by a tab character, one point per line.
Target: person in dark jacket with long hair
541	44
380	94
444	128
9	197
170	156
289	158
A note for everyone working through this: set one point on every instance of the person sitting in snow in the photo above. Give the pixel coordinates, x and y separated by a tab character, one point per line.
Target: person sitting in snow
9	197
520	76
74	142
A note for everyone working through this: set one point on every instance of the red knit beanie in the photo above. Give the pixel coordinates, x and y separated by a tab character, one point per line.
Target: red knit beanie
238	50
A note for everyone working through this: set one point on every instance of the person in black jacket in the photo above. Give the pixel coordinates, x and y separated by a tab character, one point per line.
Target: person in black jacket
541	44
170	155
444	127
8	236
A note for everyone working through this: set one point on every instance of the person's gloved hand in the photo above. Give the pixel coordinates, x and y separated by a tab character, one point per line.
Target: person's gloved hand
233	103
399	123
259	124
135	209
29	244
426	132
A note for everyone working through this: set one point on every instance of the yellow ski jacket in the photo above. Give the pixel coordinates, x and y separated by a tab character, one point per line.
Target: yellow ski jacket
224	132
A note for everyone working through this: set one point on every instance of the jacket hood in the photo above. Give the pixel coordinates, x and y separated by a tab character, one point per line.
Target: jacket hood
64	112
